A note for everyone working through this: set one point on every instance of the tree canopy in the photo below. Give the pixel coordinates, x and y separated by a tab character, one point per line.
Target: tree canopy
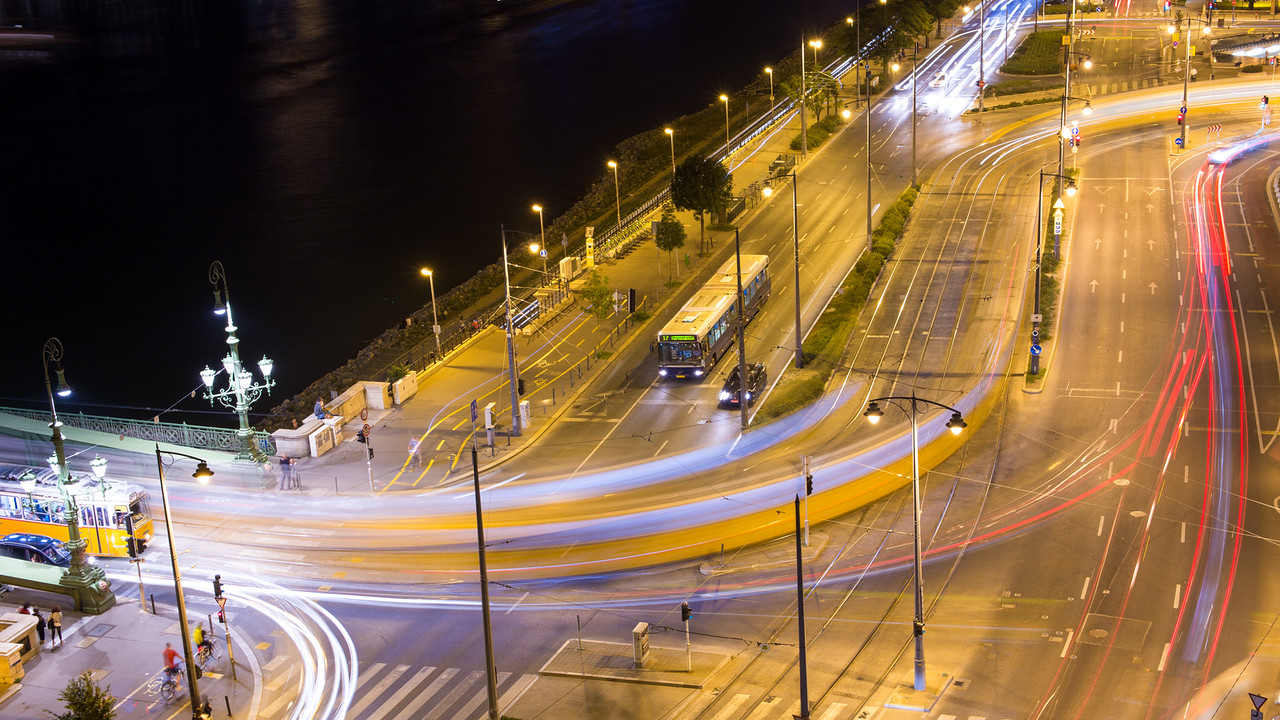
670	234
702	185
85	700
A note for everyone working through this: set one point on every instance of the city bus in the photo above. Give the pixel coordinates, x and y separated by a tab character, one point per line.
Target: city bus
702	332
108	508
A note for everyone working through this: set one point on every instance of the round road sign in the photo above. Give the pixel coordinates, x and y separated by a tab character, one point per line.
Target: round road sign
1035	349
366	429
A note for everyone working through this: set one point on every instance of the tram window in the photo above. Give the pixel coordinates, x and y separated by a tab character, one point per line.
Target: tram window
11	506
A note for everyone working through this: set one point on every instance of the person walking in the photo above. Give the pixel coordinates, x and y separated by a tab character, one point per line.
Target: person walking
40	625
284	472
414	443
55	627
294	482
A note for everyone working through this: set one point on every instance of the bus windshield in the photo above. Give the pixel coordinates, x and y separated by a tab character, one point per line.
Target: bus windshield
679	352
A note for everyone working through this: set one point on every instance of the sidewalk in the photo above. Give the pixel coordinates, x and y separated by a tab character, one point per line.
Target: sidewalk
123	650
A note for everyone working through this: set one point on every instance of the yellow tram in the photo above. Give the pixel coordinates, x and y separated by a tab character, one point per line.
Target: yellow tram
30	502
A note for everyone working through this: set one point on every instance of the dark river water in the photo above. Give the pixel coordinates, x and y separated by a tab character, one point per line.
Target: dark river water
323	151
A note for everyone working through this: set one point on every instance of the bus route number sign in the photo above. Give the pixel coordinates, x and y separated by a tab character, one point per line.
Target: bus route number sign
679	338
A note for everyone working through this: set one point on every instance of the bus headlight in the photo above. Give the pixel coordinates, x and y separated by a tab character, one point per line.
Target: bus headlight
697	373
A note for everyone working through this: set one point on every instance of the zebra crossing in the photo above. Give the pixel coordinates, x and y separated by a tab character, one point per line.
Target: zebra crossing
402	692
775	708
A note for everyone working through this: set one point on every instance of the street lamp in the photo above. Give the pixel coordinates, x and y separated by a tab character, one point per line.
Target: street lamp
542	242
512	372
617	195
671	135
89	585
795	236
769	71
725	99
537	249
435	319
1186	72
202	474
816	45
956	425
241	391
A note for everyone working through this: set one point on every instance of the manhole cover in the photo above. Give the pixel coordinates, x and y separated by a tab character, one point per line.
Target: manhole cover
1137	513
1098	633
1121	481
99	630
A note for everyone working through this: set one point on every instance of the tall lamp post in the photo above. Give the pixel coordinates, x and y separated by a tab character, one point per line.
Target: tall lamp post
241	391
795	237
769	71
956	424
617	193
435	319
725	99
1186	70
541	245
202	473
512	373
671	135
88	583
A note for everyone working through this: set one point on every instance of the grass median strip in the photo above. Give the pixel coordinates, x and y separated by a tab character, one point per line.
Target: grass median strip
825	344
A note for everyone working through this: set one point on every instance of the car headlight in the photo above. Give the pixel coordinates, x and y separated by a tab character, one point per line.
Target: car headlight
662	372
748	395
697	373
725	395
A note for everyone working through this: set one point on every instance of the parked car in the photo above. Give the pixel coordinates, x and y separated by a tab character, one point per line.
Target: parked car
756	378
37	548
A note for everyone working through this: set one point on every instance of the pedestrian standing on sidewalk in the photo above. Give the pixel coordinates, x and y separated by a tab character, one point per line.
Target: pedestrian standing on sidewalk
55	627
25	609
294	482
40	625
413	451
284	472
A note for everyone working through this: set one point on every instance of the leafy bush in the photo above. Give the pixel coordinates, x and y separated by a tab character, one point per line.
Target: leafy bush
1251	69
1039	54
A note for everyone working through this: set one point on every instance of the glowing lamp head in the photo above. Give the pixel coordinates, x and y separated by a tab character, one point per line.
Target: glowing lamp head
612	164
425	272
202	473
63	388
207	376
767	70
1071	188
956	424
873	413
846	114
265	365
99	466
767	191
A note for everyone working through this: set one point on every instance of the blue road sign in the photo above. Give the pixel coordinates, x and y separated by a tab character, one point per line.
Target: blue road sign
474	414
1035	349
1177	141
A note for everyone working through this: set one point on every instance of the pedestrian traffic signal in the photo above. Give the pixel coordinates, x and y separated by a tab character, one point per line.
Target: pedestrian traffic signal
131	544
1180	117
520	386
686	612
217	586
222	618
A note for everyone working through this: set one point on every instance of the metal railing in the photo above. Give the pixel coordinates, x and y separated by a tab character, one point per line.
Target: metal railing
192	436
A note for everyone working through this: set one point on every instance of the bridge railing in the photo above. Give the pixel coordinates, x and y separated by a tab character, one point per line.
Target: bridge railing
192	436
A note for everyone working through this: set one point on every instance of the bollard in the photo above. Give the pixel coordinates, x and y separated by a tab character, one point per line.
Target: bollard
335	486
553	396
228	701
153	605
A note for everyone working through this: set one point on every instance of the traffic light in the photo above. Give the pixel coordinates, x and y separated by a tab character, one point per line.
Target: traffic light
1265	101
221	618
131	544
686	612
1180	116
808	485
217	586
520	386
1076	141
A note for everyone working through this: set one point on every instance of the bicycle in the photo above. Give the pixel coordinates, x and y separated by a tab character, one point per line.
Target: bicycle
208	651
169	687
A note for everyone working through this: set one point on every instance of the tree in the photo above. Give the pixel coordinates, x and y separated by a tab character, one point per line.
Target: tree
597	295
702	185
85	700
670	235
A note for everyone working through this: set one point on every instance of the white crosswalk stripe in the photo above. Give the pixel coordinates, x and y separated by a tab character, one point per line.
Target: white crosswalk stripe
400	692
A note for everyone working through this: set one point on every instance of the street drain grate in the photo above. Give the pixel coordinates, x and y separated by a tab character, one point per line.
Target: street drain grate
100	630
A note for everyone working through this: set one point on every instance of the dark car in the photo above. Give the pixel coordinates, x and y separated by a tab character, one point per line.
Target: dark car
36	548
756	377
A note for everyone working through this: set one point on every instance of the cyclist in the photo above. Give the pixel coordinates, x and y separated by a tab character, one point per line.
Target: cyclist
170	661
202	642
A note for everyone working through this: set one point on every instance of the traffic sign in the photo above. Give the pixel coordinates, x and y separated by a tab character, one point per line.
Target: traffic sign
1183	109
222	603
543	253
1035	349
366	429
364	414
474	413
1258	701
1177	141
